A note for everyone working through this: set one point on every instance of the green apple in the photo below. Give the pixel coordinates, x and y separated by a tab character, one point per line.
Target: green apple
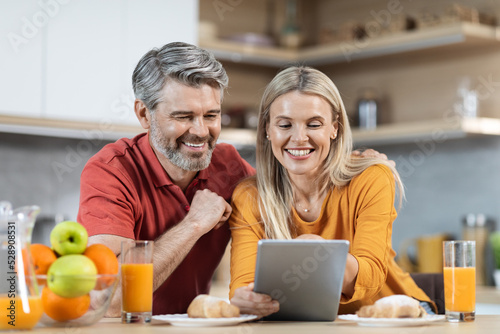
69	237
72	275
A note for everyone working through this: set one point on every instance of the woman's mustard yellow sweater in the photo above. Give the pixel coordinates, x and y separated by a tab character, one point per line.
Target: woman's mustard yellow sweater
361	212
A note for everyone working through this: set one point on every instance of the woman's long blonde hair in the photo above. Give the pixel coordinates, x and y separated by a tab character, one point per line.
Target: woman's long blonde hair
273	184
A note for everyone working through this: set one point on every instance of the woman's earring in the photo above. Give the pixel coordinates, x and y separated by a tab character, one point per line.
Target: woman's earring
267	136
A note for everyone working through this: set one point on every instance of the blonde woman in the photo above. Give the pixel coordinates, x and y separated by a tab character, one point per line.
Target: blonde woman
309	185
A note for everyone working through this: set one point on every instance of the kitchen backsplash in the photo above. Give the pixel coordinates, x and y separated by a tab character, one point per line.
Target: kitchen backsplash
443	181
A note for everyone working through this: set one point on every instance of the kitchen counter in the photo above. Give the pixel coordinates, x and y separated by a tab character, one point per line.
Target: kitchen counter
483	324
487	300
487	295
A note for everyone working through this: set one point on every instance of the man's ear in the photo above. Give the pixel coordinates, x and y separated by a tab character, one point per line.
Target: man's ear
142	113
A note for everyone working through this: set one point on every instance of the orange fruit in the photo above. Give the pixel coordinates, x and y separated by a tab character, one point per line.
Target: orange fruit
105	261
43	256
63	309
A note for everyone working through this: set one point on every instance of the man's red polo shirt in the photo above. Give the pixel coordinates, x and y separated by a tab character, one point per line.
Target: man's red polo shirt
125	191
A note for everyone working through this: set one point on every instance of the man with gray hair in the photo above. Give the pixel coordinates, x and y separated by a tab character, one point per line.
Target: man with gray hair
171	184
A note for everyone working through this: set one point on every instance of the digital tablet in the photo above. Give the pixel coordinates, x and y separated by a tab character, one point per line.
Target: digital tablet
305	276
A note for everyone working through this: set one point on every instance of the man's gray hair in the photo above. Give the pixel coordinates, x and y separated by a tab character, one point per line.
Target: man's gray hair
182	62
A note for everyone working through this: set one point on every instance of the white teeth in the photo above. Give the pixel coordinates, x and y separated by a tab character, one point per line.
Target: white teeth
299	153
194	145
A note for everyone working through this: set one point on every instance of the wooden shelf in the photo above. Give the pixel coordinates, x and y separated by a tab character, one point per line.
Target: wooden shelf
404	133
454	36
434	130
92	131
238	137
250	54
66	129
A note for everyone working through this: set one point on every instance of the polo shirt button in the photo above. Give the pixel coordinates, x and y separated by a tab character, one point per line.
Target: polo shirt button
186	208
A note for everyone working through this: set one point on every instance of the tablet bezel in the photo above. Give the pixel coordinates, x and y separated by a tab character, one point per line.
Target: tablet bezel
305	276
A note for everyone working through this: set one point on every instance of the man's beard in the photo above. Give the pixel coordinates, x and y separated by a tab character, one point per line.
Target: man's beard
196	161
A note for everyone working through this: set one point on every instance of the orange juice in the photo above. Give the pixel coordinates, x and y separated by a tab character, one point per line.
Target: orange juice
137	287
459	289
12	315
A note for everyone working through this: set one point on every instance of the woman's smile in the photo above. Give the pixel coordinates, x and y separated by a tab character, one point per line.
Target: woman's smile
299	153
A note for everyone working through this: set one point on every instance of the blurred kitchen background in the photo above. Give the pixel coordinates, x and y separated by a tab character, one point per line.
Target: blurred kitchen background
420	81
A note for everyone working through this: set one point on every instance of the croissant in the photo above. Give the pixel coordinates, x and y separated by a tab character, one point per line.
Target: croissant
205	306
396	306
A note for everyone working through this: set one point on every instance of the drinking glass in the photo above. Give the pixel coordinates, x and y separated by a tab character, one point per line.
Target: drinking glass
459	270
137	281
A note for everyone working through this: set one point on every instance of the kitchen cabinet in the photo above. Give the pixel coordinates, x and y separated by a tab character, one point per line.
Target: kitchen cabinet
75	73
84	60
93	50
21	56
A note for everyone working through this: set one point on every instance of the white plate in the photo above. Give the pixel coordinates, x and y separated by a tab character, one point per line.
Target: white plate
392	322
184	320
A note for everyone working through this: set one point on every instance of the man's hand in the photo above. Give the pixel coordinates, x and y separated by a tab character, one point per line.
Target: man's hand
208	210
251	302
370	153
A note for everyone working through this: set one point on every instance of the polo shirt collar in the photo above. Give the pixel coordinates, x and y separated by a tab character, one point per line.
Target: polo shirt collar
203	174
159	176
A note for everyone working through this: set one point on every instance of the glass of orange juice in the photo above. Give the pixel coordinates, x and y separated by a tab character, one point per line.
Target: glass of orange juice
137	281
459	271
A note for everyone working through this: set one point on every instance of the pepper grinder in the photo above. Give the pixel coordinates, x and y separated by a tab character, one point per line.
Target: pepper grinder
291	36
367	111
477	227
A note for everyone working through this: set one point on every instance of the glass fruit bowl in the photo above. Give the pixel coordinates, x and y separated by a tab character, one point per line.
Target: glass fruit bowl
78	301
